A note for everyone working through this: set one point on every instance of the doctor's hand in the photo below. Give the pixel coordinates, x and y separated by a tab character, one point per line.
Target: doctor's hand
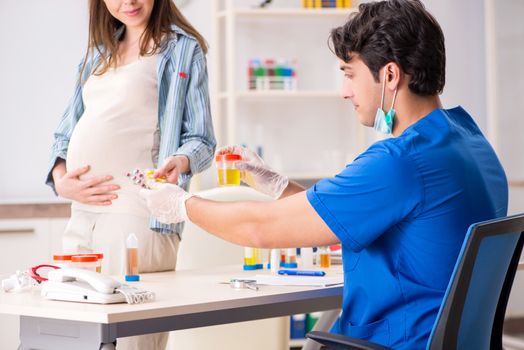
167	202
93	191
172	167
256	173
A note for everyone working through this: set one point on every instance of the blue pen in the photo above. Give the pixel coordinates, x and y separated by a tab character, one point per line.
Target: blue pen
301	273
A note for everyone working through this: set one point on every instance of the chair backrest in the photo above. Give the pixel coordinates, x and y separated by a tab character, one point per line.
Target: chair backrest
473	309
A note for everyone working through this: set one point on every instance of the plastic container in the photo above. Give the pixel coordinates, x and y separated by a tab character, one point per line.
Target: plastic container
227	175
306	255
325	257
62	260
251	258
132	259
100	259
291	258
85	261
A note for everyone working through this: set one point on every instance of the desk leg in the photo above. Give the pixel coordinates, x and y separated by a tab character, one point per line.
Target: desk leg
324	324
52	334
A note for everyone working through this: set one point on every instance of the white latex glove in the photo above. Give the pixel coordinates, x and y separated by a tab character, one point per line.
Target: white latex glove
167	202
256	173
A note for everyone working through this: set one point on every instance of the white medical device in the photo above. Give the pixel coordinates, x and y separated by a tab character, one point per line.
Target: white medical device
70	284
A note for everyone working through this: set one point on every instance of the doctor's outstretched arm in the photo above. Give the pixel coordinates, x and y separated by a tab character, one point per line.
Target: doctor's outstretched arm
288	222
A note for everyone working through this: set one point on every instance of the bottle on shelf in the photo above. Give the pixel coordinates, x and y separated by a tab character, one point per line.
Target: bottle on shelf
326	4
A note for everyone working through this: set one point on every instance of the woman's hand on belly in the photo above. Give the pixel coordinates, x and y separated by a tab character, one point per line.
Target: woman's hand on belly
93	191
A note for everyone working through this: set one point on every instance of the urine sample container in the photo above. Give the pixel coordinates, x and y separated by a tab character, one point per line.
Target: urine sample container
227	174
85	261
325	257
291	258
62	261
250	258
100	259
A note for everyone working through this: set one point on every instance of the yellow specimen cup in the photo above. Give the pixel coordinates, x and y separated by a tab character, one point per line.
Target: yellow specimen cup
227	174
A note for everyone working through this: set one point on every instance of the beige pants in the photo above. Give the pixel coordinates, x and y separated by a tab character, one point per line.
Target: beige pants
106	233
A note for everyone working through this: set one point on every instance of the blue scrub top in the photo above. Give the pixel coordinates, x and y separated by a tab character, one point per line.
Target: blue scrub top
401	211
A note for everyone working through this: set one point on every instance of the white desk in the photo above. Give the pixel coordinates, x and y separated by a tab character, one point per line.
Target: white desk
184	299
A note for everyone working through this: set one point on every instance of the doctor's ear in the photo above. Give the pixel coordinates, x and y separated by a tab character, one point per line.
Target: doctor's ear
393	74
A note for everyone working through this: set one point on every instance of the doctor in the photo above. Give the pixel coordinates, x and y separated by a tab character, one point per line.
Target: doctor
401	209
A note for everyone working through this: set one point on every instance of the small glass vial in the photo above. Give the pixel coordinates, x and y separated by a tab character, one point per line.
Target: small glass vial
132	259
85	261
325	257
62	261
227	174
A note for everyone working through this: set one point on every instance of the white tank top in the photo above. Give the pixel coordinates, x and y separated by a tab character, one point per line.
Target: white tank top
118	131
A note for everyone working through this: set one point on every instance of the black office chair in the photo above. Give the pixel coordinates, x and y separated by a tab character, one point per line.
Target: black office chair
472	312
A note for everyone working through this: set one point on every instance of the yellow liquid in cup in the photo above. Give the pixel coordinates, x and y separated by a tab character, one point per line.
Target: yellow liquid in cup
325	260
252	258
228	177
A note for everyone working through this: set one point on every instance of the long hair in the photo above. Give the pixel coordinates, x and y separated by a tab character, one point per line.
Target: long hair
103	29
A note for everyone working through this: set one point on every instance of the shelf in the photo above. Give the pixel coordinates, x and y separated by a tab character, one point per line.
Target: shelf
283	12
281	94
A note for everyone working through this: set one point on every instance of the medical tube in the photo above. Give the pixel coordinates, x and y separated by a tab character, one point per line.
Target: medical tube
132	259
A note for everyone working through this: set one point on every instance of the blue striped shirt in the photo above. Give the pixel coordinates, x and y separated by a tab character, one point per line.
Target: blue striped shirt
184	115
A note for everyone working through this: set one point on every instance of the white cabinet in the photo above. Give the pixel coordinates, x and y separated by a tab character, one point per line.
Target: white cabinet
29	242
309	133
25	243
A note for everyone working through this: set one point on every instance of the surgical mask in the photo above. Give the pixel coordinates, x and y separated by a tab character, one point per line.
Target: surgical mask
384	121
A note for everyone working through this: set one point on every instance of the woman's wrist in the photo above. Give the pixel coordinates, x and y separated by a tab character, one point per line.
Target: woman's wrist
59	170
183	163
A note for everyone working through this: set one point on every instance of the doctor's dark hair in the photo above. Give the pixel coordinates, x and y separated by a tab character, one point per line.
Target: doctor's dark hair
400	31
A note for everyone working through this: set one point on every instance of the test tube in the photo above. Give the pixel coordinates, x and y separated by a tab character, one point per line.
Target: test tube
132	259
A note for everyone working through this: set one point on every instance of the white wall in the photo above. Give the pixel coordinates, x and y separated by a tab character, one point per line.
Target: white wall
43	41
